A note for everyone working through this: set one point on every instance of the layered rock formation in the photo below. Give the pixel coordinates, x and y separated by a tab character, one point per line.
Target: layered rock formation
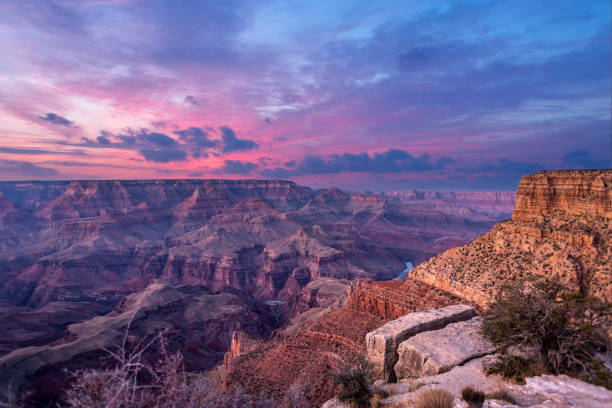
476	203
383	343
93	242
561	228
575	192
194	321
311	355
102	239
435	352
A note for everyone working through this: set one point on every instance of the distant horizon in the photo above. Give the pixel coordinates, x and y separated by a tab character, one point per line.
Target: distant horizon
255	179
394	95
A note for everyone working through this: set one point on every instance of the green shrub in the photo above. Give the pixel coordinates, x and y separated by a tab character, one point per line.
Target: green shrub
512	367
434	398
565	329
472	396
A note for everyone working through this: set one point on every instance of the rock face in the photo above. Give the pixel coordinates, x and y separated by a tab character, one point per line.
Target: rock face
311	354
561	229
196	322
576	192
394	299
438	351
549	391
383	342
478	203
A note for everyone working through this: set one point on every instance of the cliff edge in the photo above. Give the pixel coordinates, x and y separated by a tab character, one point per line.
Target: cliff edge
561	228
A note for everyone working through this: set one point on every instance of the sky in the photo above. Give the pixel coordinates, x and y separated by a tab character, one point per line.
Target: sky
377	95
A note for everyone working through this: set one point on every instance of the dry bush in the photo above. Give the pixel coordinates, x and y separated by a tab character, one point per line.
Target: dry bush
434	398
501	395
472	396
377	398
353	379
295	398
566	329
137	383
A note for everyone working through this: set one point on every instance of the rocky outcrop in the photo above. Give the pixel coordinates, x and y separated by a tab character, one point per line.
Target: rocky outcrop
575	192
395	299
550	391
438	351
383	342
561	229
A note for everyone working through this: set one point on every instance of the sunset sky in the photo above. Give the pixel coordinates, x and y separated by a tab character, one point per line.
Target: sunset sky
381	95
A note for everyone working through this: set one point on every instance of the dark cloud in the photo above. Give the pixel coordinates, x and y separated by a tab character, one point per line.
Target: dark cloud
158	139
163	155
56	119
196	174
153	146
390	161
236	167
191	100
582	159
197	138
103	140
11	169
232	143
161	124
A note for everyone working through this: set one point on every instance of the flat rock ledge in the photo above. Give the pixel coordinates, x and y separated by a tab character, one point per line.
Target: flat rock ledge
545	391
438	351
383	342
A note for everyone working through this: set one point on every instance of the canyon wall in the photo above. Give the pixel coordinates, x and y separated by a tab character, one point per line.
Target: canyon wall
575	192
561	229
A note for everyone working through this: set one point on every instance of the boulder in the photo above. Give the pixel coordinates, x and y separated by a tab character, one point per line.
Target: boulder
382	343
438	351
561	391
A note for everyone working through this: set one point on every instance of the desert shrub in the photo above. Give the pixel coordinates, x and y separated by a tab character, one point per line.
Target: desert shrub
564	328
294	397
472	396
434	398
376	399
353	379
501	395
515	368
136	382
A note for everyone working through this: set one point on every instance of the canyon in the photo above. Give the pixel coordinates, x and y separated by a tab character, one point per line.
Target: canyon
277	254
279	284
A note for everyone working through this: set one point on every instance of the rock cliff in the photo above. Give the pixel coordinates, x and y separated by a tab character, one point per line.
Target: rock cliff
573	192
561	228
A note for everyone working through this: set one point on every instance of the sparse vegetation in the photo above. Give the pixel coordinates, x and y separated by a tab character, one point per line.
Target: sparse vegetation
376	400
472	396
353	379
565	330
136	382
294	397
434	398
501	395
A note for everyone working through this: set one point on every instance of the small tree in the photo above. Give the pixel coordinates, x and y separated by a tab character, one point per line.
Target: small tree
565	329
